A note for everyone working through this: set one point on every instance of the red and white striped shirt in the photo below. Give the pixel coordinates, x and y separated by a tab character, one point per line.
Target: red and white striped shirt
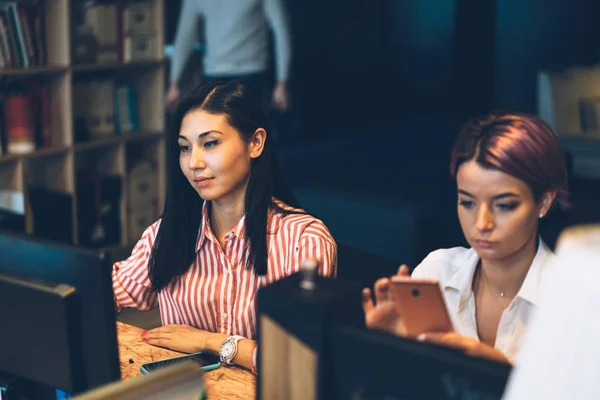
218	293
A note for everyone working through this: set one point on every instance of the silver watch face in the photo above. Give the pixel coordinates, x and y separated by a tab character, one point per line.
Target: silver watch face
227	349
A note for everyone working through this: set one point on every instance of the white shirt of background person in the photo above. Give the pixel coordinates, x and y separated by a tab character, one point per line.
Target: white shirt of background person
560	355
454	269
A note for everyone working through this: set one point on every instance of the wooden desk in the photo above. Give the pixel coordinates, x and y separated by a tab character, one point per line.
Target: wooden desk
223	383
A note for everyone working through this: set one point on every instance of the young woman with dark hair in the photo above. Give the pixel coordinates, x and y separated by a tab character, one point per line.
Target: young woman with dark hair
229	227
510	172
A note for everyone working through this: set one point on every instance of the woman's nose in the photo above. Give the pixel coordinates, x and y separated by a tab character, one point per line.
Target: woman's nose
196	160
485	219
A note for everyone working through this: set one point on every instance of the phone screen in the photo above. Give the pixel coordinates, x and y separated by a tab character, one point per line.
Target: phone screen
203	359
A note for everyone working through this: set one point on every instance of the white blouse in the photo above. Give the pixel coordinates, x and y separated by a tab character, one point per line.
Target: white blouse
454	269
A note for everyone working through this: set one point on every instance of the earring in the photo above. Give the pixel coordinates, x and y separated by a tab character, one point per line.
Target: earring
541	215
254	154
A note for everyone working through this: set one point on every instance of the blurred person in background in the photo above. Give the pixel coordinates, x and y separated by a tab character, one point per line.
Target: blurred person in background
237	46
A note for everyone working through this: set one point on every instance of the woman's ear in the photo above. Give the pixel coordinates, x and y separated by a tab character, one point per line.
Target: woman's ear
546	202
257	143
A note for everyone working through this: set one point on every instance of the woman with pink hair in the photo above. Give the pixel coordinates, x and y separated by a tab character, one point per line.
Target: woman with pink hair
510	173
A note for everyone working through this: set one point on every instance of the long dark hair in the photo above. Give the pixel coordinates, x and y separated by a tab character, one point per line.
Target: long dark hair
174	247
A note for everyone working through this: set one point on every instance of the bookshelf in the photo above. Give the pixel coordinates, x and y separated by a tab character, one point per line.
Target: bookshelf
74	172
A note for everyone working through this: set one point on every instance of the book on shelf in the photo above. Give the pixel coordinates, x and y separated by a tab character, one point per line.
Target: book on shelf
22	43
45	132
125	109
9	42
2	133
112	109
25	117
98	209
19	123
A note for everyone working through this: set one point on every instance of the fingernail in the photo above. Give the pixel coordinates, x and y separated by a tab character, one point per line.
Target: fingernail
421	337
144	333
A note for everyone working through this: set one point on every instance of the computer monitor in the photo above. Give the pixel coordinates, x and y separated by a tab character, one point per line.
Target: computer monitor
89	272
52	312
370	365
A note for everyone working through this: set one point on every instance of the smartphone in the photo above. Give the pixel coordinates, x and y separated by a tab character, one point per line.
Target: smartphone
207	361
421	305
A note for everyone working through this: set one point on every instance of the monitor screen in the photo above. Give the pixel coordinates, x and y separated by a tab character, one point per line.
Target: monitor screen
89	272
51	309
369	365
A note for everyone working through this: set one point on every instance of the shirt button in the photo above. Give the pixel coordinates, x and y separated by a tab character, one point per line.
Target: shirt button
225	316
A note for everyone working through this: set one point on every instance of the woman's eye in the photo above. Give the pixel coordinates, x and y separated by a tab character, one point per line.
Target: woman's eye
183	148
507	206
212	143
466	203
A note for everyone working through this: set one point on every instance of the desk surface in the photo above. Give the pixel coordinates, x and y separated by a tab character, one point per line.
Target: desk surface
223	383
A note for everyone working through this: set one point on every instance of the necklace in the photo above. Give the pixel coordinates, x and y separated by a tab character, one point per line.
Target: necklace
478	277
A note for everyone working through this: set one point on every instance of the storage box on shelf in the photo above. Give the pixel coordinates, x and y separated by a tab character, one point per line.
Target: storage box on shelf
95	114
144	167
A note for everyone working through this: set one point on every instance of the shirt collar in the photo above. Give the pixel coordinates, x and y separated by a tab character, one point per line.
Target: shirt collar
204	227
531	285
205	230
462	280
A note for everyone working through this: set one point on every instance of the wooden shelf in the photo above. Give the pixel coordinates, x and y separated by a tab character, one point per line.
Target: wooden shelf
51	151
117	139
98	143
117	66
7	158
143	136
56	168
33	71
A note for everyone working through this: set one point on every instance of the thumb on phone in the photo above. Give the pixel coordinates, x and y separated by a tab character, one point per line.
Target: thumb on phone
403	271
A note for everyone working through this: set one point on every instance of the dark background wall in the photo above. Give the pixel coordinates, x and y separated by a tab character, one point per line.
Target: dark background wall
381	88
532	35
394	59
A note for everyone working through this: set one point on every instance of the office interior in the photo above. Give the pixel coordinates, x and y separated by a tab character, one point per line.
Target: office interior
379	92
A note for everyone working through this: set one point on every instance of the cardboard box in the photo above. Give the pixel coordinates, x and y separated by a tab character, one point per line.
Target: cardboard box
141	186
138	19
139	219
136	48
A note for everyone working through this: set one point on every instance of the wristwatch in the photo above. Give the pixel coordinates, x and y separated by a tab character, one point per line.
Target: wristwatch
228	349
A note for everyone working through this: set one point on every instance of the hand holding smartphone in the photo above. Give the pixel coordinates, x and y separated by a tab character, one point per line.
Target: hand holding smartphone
421	305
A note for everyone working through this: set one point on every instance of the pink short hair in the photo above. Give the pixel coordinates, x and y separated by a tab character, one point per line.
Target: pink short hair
519	145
